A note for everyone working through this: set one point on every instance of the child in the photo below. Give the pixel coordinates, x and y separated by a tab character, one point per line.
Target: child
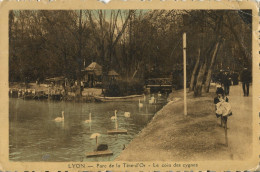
223	108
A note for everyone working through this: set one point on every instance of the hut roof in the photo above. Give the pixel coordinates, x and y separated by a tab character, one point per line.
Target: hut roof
93	66
112	73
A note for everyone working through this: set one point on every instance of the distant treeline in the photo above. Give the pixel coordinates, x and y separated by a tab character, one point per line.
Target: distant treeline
135	43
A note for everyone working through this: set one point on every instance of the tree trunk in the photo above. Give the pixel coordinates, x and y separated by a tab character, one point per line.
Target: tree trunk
193	76
200	78
208	79
136	70
238	40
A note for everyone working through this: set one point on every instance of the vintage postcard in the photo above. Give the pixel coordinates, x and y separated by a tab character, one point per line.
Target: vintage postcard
129	85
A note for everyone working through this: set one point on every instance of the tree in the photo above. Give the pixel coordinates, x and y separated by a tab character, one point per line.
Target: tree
138	44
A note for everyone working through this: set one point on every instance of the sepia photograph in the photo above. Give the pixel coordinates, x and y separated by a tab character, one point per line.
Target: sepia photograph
130	85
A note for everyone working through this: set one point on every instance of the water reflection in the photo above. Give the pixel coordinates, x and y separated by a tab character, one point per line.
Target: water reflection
35	136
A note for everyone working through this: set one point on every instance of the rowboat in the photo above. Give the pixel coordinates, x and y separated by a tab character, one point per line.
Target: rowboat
125	98
99	153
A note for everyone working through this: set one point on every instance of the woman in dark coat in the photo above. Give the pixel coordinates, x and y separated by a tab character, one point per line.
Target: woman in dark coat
226	81
245	78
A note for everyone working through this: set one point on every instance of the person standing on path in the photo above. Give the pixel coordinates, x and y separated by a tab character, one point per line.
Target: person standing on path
234	77
245	78
226	82
220	77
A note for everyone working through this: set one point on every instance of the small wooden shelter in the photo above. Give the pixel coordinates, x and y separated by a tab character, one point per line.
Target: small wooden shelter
113	75
92	74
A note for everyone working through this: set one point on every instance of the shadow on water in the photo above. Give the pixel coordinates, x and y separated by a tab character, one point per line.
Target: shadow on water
35	136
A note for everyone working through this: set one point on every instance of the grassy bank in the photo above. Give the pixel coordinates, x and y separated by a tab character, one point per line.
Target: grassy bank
173	136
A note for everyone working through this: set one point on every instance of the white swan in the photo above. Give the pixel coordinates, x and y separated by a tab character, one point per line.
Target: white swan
140	104
127	114
60	119
88	120
152	100
159	94
114	117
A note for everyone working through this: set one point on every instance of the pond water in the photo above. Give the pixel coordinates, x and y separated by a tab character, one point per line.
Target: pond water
35	136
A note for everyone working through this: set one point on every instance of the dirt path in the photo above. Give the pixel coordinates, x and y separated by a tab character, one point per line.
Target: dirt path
240	123
173	136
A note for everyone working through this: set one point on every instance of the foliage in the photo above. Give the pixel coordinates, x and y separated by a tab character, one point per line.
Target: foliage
132	42
124	88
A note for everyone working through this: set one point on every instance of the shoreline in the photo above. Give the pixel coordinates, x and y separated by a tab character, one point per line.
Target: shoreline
44	91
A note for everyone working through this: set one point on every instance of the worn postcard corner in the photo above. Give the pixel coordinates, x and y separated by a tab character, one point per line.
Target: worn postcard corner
129	85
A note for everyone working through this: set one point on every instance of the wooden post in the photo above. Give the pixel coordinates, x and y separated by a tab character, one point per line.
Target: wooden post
96	142
116	125
184	73
48	92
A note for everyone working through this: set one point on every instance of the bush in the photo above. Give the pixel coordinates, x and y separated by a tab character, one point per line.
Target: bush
124	88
